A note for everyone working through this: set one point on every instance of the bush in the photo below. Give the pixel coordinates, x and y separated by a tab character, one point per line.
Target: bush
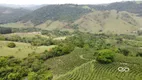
124	51
62	49
139	54
11	45
105	56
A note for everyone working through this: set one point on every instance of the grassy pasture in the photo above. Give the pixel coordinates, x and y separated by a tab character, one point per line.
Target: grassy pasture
18	25
21	50
60	38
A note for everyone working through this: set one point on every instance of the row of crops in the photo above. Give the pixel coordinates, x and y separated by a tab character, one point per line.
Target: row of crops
95	71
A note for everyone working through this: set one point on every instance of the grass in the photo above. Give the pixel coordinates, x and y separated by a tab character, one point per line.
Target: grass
17	25
107	21
51	25
21	50
60	38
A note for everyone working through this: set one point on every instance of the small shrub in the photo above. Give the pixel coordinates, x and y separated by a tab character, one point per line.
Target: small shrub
11	45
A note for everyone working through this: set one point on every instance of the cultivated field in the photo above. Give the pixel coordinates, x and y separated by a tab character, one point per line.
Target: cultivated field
95	71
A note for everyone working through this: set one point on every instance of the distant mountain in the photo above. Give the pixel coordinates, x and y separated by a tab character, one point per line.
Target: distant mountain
11	15
130	6
120	17
28	7
67	13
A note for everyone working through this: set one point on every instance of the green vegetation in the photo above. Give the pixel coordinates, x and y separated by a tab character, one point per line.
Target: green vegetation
81	52
105	56
12	69
21	50
93	70
11	15
11	45
76	17
129	6
4	30
73	42
55	12
124	51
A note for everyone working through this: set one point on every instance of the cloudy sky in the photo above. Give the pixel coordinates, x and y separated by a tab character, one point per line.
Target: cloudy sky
59	1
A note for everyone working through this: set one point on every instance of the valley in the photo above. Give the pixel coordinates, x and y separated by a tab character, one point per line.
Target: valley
71	42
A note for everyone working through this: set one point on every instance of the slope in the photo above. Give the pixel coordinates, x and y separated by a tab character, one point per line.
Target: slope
109	21
11	15
66	12
95	71
130	6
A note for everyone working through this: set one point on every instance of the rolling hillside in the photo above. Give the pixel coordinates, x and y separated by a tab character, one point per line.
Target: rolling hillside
109	21
110	18
96	71
11	15
129	6
67	13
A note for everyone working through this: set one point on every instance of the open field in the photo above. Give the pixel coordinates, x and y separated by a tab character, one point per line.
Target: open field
17	25
21	50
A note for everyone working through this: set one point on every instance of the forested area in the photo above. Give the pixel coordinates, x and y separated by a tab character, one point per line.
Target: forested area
4	30
130	6
9	15
67	13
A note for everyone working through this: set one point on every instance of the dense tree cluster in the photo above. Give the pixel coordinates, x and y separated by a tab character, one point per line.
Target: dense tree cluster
96	41
4	30
124	51
25	30
34	41
105	56
38	41
15	69
55	33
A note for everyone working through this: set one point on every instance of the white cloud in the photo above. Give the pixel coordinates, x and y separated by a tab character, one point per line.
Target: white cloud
58	1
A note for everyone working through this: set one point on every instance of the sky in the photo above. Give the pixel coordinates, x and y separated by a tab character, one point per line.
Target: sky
23	2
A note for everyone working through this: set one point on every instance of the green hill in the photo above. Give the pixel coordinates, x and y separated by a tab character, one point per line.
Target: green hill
99	21
109	21
130	6
55	12
11	15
